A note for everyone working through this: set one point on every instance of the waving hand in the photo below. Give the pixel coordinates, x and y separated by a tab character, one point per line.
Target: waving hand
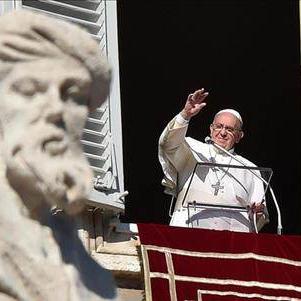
194	103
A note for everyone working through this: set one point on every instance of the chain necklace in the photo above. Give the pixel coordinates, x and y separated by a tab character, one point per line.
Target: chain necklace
218	185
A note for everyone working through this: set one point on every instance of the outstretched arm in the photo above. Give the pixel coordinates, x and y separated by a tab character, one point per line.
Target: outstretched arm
174	154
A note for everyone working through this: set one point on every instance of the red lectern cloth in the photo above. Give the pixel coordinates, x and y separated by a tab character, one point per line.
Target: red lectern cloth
196	264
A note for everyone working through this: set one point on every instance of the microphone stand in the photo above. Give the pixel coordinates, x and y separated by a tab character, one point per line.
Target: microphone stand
279	226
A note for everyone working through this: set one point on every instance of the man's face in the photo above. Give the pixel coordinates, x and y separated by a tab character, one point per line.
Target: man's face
225	130
43	109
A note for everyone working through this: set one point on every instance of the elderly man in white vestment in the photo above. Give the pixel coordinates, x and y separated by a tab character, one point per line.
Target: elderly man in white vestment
232	188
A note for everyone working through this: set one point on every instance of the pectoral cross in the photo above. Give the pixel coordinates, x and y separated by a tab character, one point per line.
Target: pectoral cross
217	187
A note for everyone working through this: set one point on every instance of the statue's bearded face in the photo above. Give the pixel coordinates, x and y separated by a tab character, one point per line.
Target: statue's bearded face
43	109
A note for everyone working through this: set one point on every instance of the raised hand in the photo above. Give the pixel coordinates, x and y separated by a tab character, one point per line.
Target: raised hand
194	103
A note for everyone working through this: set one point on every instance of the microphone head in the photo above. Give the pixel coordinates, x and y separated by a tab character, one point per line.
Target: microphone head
208	140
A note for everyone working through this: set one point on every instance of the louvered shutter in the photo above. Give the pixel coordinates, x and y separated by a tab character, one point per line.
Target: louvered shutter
102	149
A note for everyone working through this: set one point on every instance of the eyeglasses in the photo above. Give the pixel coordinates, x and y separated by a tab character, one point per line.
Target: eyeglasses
228	129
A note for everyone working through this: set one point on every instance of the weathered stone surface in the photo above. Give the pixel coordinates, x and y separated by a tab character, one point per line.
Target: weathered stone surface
118	263
120	254
115	245
52	74
131	294
128	247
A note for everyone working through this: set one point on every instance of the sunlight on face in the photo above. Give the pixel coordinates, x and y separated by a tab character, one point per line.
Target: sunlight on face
44	106
226	130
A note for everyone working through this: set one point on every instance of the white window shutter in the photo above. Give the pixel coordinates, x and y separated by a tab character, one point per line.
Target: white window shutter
102	138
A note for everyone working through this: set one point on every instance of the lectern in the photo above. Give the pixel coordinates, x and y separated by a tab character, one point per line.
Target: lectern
219	191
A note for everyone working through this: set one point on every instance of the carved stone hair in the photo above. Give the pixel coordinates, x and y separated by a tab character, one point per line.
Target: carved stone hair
26	36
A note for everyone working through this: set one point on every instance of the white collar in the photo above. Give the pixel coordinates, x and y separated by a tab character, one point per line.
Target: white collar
220	152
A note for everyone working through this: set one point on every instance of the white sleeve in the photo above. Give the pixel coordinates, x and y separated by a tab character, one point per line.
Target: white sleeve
171	146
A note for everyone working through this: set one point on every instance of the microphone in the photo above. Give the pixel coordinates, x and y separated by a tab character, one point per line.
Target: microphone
208	140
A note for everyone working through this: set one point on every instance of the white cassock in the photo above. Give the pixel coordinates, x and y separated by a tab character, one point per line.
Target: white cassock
236	188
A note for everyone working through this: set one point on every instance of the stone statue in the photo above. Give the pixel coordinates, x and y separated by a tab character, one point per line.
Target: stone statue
51	75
